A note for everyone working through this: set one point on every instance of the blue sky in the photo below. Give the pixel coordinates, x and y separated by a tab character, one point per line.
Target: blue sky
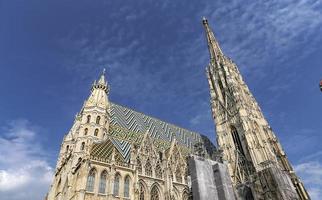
155	54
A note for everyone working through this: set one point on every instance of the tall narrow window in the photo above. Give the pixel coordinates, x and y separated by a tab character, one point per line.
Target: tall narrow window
148	168
90	180
82	146
116	185
158	171
88	119
96	132
127	187
155	193
178	176
98	119
103	182
142	192
237	141
139	165
85	131
67	148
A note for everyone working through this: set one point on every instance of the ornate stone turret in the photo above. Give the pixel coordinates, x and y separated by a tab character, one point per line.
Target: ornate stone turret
243	134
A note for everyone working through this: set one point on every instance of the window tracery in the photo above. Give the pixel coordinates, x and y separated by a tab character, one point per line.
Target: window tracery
139	165
155	193
158	171
148	168
102	186
141	192
91	180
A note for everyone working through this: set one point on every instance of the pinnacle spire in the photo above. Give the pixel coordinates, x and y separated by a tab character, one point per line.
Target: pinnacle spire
213	46
101	83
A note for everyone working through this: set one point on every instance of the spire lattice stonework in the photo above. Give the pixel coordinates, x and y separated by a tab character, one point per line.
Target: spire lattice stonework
243	134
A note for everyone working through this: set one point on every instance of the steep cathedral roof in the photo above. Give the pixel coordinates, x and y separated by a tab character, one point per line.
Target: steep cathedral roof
128	127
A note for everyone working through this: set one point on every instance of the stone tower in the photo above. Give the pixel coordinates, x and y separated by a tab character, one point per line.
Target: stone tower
257	164
90	126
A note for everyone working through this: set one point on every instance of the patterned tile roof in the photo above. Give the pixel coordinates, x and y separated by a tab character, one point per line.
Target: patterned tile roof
140	123
128	126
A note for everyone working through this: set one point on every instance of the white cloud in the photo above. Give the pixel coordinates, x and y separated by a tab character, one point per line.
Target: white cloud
311	174
24	172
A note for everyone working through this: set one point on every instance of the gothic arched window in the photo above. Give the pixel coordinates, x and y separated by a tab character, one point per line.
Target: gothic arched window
67	148
127	187
98	119
141	192
96	132
102	186
139	165
155	193
83	146
148	168
116	185
85	131
236	139
158	171
91	180
178	175
88	119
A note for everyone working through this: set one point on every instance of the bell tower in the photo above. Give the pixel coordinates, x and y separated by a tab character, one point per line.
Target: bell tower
248	143
90	124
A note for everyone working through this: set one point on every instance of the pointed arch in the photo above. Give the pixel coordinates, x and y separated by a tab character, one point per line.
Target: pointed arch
127	186
116	188
85	131
155	193
103	179
91	180
236	139
142	190
148	168
185	195
82	146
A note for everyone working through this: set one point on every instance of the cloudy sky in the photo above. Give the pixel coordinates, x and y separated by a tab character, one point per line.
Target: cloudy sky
155	54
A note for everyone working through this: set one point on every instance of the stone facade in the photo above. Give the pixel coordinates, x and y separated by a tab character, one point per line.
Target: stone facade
112	152
243	134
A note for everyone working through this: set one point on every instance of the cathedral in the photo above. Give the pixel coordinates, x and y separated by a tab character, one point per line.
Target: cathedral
113	152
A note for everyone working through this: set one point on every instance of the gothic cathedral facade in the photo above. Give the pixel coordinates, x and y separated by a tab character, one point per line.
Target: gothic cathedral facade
113	152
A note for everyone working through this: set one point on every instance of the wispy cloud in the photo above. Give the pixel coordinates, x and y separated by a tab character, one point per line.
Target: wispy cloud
311	173
24	171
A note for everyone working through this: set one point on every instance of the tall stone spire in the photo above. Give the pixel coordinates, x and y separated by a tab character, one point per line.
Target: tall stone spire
213	46
250	147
